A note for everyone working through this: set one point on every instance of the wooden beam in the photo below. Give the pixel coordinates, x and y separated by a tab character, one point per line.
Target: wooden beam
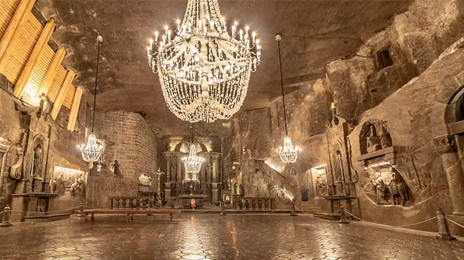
62	94
23	8
75	109
51	72
31	63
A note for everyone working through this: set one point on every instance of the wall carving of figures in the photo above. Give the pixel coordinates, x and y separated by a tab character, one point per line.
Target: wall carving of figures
388	185
146	180
320	184
374	136
68	182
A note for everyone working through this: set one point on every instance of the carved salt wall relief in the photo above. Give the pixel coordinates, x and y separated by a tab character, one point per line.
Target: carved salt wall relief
386	184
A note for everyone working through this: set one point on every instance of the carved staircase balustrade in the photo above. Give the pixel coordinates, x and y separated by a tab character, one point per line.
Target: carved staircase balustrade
253	203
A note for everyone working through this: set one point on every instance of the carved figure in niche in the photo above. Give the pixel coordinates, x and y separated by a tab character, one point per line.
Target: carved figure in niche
38	158
374	136
385	138
117	171
373	141
398	189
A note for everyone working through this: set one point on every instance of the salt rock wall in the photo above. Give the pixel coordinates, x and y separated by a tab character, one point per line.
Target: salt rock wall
130	141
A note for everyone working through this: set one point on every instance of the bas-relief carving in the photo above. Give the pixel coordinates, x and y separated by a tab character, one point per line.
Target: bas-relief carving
319	177
388	185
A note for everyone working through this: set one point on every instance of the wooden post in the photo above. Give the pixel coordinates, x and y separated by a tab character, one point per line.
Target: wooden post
31	63
75	109
23	8
51	72
62	94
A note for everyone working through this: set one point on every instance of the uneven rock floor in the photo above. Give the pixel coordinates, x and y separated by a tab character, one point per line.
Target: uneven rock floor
208	236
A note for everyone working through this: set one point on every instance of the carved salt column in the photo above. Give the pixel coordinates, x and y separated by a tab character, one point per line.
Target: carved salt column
454	173
179	175
214	178
167	184
203	185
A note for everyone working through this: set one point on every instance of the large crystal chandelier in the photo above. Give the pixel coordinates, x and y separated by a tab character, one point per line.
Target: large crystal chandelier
93	149
203	68
288	153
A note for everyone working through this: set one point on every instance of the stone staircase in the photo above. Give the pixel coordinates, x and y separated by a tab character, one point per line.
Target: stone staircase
318	212
309	208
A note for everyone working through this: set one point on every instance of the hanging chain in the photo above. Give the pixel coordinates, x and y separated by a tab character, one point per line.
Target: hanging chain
278	39
99	42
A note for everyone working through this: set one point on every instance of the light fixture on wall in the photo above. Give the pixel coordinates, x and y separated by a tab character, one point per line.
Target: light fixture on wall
288	153
192	162
204	70
92	150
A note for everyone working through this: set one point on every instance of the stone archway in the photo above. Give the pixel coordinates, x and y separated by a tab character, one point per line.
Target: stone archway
453	146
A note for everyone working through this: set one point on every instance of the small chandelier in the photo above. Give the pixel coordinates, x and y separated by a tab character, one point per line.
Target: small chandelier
192	163
288	153
93	149
204	69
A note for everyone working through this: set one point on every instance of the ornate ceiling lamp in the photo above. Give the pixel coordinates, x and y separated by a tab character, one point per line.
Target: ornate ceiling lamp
288	153
204	71
93	149
192	162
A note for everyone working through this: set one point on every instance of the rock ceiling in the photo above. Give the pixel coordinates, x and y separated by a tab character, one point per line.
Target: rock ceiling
315	32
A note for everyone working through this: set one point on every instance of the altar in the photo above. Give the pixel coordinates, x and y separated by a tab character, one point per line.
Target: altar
180	188
193	199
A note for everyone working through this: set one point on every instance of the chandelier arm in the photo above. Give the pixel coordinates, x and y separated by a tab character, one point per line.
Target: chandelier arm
282	85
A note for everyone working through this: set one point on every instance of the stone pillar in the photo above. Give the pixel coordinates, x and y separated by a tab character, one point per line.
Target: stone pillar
214	178
454	174
167	184
203	185
179	175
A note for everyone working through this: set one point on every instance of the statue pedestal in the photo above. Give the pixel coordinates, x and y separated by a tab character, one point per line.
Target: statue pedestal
29	204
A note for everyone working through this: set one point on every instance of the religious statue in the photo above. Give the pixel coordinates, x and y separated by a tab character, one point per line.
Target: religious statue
385	138
373	141
117	171
37	165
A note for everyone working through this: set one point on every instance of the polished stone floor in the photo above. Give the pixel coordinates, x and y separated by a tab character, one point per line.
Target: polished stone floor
207	236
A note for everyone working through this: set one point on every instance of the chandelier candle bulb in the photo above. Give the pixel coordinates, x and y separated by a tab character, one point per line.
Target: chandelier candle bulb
156	36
